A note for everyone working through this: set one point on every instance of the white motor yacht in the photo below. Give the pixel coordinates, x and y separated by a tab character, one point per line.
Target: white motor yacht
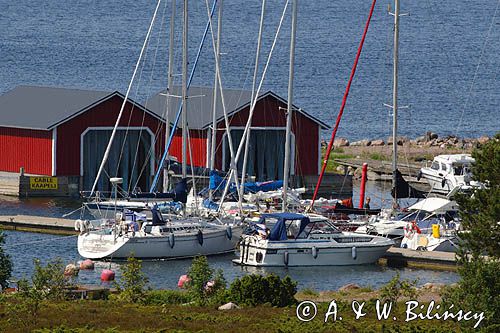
449	173
288	239
424	213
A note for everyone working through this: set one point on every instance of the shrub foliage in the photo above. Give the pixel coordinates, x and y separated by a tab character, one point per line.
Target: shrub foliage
479	284
256	289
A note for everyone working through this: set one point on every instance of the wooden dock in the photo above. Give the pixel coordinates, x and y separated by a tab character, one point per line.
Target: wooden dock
50	225
381	167
398	257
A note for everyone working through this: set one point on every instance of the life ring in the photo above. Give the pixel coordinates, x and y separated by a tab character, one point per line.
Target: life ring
411	229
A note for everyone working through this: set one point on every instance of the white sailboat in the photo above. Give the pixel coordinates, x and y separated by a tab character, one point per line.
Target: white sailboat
178	236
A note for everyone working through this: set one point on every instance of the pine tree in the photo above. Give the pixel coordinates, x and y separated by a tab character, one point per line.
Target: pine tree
479	255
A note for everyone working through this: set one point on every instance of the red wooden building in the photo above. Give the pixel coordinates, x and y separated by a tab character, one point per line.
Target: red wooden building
64	132
267	143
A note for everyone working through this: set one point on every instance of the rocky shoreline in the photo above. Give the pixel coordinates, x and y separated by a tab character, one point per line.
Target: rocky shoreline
430	139
417	150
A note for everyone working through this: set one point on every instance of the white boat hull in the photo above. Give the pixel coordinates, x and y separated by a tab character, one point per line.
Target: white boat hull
95	245
254	252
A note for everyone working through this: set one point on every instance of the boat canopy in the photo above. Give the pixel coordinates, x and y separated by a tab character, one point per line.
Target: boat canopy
217	182
435	205
279	230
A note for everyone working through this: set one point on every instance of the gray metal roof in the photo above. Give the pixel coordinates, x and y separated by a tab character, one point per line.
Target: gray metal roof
42	107
199	112
35	107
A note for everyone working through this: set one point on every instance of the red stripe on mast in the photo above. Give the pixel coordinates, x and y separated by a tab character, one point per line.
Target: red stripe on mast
344	100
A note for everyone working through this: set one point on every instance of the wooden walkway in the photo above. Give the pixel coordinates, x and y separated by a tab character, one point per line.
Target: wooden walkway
398	257
382	167
38	224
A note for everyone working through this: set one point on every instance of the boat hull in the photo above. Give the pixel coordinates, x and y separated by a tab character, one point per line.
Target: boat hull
282	254
183	245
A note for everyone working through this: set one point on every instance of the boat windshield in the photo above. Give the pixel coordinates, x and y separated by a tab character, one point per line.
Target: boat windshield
319	227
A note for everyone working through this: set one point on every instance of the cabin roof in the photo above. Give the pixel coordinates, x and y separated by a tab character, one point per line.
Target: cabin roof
200	100
36	107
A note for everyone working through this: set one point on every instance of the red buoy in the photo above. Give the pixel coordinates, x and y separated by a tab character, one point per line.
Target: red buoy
87	264
107	275
182	280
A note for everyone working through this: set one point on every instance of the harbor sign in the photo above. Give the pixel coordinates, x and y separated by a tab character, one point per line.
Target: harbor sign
43	183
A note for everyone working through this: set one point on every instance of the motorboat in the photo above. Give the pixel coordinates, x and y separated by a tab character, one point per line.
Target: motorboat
449	173
442	238
289	239
424	213
171	238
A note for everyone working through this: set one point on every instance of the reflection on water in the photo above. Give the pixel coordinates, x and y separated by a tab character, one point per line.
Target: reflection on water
24	247
51	207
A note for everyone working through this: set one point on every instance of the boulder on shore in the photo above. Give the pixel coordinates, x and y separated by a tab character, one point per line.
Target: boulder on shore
378	142
349	286
340	142
361	143
482	140
229	306
430	136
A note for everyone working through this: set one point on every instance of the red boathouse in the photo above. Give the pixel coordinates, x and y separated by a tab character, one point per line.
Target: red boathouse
64	132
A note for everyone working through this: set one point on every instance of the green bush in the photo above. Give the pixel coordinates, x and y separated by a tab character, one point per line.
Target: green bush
397	288
256	289
5	264
132	287
48	282
202	276
162	297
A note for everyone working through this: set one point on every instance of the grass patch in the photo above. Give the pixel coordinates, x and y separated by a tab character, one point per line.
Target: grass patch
309	292
107	316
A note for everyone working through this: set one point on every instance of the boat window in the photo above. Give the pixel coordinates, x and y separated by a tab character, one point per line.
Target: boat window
458	170
443	166
320	227
435	165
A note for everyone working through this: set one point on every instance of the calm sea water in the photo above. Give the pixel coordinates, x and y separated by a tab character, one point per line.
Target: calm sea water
449	56
24	247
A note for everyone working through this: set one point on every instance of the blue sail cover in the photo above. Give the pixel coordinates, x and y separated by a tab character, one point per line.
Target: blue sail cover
278	232
178	194
217	182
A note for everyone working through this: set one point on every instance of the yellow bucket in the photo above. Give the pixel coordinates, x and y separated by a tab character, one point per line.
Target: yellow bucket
435	230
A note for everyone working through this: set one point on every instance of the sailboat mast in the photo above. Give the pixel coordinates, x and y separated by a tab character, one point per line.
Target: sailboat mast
254	82
395	99
184	89
216	90
290	102
169	85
